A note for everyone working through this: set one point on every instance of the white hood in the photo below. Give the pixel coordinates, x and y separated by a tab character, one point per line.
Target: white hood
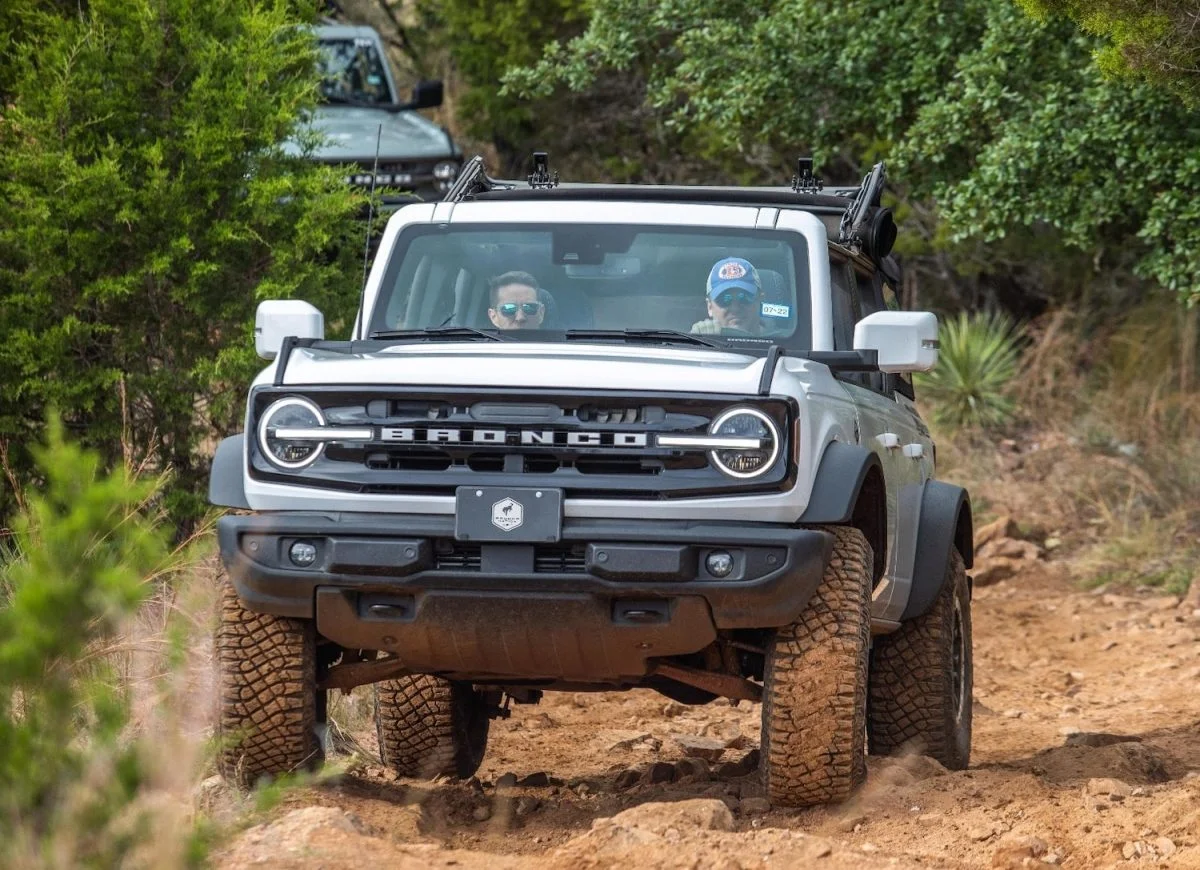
532	365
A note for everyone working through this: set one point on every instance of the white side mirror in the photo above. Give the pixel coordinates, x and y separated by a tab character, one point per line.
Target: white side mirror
279	318
905	341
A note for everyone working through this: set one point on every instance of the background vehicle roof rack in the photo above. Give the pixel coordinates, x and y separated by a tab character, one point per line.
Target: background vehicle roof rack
473	180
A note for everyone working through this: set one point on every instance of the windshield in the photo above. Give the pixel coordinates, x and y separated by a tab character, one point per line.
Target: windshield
722	285
352	71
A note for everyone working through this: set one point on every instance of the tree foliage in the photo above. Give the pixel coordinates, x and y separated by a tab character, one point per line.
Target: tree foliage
146	206
83	548
997	126
1158	40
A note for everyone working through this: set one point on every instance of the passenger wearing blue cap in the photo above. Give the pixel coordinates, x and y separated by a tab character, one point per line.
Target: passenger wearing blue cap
734	298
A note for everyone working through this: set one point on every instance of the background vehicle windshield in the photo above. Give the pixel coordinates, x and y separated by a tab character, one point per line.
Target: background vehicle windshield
352	70
719	283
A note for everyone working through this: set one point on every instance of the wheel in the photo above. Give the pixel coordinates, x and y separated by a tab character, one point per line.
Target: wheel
815	685
429	726
268	696
921	680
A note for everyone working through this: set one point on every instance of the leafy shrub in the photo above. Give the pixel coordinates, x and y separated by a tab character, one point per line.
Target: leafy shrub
70	775
978	360
147	203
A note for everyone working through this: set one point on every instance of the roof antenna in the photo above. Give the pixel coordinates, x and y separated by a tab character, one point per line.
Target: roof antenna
371	206
370	219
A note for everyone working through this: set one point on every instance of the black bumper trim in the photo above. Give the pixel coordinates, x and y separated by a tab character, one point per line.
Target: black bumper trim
361	557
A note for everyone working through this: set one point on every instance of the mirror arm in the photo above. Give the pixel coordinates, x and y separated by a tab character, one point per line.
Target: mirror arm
289	343
846	360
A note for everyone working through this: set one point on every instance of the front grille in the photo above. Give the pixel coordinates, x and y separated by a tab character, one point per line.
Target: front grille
559	560
450	555
431	442
457	556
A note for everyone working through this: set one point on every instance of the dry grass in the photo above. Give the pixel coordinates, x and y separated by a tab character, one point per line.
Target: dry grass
1106	458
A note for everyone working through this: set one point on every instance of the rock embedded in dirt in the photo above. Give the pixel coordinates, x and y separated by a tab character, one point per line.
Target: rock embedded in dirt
851	823
506	780
481	813
1004	527
1018	851
1098	738
534	780
744	766
754	806
696	768
1106	787
627	779
707	748
979	833
1164	846
633	739
659	772
671	709
526	806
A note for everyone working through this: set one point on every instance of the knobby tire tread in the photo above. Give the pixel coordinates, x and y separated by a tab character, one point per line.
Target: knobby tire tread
429	727
267	675
911	704
815	685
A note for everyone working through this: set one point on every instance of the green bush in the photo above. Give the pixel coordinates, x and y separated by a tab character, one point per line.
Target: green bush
69	773
147	204
979	358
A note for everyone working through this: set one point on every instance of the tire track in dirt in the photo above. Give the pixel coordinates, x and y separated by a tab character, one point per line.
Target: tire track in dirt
599	780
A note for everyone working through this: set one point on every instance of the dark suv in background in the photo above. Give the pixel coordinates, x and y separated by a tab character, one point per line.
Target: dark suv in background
361	112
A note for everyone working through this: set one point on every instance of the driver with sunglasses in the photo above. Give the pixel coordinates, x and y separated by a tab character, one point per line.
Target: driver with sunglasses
734	297
514	301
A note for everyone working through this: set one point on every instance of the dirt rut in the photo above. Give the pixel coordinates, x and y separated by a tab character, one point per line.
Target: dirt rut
1086	754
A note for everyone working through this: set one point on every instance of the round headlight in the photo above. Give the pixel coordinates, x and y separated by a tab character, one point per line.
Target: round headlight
745	461
290	414
445	171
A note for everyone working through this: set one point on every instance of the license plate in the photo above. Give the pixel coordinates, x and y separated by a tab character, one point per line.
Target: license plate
507	514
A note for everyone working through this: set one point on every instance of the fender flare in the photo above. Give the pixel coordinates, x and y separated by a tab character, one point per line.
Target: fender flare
226	487
945	524
838	482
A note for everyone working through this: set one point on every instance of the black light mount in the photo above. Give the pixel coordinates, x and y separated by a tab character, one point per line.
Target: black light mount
540	178
804	181
473	180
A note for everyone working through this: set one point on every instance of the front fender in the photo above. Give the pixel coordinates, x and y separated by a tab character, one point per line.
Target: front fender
226	486
839	480
944	524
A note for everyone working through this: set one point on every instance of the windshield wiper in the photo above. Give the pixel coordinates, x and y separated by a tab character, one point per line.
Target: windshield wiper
350	101
439	332
644	335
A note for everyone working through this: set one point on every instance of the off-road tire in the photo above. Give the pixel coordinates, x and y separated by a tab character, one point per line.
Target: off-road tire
921	680
268	697
815	685
429	726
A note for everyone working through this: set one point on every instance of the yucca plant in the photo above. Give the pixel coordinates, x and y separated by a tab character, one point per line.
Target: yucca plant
979	357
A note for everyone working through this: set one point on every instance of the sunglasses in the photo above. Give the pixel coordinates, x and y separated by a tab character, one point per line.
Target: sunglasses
729	297
509	309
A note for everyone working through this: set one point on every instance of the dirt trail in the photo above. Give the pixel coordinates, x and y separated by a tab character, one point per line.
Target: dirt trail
1059	674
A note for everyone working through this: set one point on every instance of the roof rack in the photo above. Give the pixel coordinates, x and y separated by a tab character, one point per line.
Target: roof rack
472	180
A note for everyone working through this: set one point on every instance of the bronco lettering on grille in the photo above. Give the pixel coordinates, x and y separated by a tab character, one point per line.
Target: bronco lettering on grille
527	437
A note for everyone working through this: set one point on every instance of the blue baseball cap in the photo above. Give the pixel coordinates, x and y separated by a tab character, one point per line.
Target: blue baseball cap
733	273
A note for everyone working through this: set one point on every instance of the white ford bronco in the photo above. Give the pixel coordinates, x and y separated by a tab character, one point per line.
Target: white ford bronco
596	437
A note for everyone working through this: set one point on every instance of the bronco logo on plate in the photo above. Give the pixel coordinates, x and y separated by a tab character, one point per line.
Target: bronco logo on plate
507	514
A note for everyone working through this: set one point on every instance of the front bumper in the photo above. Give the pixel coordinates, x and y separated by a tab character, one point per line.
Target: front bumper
596	605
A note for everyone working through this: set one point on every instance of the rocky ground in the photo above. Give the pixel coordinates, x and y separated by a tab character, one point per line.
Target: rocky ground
1086	754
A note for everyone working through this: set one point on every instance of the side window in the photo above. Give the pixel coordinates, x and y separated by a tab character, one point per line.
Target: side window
901	383
891	299
846	307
